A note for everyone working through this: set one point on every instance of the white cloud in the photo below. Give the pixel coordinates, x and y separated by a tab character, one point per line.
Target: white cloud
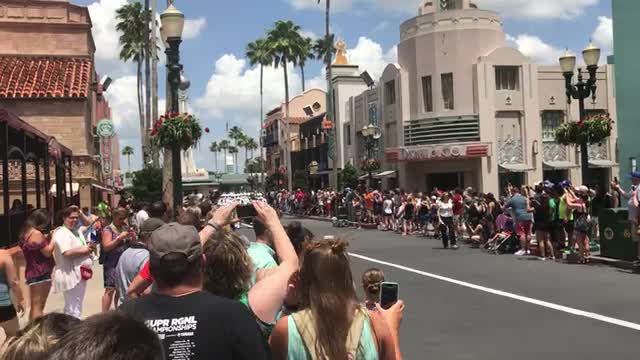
369	55
536	49
194	27
309	34
603	35
540	9
103	18
234	88
122	97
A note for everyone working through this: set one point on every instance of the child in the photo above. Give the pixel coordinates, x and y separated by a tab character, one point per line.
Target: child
371	280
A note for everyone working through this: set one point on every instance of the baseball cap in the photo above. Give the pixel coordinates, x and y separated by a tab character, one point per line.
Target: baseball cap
151	224
174	238
635	174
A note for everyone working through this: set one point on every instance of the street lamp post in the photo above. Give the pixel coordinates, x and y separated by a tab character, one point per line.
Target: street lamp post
581	90
172	25
371	134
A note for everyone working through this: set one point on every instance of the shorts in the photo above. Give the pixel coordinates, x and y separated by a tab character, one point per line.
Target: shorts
109	277
39	279
523	228
568	226
543	226
7	313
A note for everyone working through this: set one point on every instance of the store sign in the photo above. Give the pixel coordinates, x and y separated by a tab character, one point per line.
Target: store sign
105	131
438	152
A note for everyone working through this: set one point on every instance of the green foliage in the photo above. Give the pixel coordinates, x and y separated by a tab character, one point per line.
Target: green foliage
348	177
132	21
259	53
321	47
147	184
253	166
174	129
593	130
300	179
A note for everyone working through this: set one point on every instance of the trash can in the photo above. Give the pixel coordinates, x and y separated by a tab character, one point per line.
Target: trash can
615	235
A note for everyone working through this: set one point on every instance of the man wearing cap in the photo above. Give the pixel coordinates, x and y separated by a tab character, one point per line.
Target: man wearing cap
191	323
132	259
634	207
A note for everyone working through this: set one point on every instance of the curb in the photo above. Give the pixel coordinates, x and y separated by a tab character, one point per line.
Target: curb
622	264
316	218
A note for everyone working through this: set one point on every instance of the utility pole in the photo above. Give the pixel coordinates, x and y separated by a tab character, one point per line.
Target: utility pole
330	114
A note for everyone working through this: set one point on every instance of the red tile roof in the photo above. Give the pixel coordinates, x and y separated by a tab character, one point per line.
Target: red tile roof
44	77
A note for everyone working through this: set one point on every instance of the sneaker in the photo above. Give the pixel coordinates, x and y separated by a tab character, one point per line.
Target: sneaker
528	252
542	258
519	253
454	247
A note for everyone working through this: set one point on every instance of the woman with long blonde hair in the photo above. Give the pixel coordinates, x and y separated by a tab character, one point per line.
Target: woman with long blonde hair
331	323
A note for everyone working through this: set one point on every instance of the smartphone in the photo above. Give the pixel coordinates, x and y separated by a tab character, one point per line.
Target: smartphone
246	211
389	292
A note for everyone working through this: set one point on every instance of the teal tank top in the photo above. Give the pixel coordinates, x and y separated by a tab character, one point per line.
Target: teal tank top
5	296
297	351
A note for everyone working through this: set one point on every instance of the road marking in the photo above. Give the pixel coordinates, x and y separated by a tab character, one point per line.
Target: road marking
529	300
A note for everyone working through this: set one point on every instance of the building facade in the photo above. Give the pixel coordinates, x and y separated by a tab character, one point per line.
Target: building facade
627	76
461	108
301	108
48	78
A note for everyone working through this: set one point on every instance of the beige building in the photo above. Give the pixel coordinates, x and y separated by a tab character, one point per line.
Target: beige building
301	108
462	108
48	78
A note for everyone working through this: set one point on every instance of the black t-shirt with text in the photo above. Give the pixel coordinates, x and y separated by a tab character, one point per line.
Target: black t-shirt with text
200	326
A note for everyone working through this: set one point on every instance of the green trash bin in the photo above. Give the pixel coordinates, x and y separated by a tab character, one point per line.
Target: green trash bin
616	241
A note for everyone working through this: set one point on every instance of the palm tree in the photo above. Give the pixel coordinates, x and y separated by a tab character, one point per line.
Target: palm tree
305	52
128	152
328	54
236	134
259	53
322	46
284	39
251	145
132	22
224	146
233	150
242	143
215	148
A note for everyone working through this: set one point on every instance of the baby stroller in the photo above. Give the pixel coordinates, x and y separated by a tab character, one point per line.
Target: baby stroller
342	218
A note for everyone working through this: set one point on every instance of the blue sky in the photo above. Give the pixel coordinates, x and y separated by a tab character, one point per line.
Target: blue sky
224	89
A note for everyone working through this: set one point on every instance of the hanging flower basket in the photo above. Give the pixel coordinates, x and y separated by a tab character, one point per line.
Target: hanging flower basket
594	130
368	165
174	129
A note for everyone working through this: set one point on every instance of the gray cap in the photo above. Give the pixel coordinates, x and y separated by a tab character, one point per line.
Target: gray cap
151	224
175	238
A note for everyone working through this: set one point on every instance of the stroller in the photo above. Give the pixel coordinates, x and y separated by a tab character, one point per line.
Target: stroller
342	218
508	244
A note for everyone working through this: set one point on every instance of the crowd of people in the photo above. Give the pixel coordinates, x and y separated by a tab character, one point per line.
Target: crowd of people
552	219
195	288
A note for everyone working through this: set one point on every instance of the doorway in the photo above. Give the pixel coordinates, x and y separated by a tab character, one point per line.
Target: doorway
513	178
445	181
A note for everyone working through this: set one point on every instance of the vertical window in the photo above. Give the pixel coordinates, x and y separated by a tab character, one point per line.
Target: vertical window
450	4
447	90
507	78
427	93
551	120
390	92
347	133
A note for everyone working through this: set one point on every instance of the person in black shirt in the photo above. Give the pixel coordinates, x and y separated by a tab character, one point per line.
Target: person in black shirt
190	323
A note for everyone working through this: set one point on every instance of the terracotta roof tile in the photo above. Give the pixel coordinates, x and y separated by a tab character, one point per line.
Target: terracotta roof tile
44	77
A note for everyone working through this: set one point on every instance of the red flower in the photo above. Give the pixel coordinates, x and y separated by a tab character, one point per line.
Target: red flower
186	120
206	130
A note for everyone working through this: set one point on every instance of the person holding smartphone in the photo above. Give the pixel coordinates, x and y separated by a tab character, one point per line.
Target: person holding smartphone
113	244
633	197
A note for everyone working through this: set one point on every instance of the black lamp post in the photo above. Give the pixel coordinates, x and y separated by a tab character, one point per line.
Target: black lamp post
172	25
371	134
581	91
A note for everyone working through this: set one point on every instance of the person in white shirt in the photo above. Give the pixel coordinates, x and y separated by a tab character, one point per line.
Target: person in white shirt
445	217
72	254
141	216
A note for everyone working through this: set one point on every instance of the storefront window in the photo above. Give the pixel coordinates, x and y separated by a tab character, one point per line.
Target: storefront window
551	120
507	78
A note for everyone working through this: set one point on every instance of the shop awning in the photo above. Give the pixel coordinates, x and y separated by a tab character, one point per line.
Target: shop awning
514	168
75	187
363	177
602	163
559	165
385	174
99	187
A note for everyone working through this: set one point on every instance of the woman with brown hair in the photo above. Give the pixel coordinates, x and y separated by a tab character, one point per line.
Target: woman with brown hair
331	323
113	244
371	280
229	269
37	249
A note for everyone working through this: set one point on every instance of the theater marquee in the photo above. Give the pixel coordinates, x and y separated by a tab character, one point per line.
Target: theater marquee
438	152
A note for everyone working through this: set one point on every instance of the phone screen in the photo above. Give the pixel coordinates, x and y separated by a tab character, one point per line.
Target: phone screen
246	211
388	294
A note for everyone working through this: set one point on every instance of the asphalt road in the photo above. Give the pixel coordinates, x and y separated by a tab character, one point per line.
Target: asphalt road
466	304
